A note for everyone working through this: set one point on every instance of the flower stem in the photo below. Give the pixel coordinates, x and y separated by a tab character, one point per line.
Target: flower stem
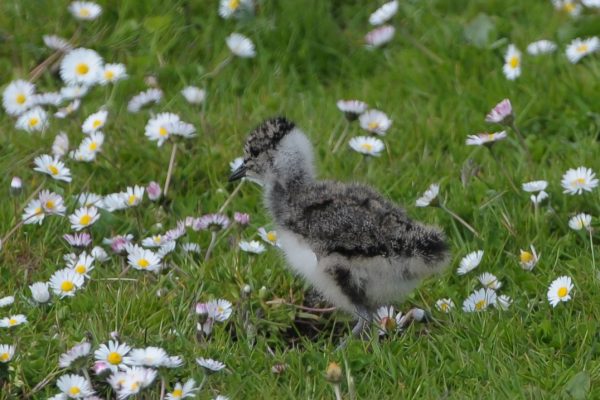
592	248
334	131
521	139
218	68
162	387
459	219
170	169
211	246
503	169
231	196
338	393
341	138
358	164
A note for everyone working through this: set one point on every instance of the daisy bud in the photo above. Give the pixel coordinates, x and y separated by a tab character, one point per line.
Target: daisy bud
502	113
154	191
278	368
16	186
333	373
114	335
39	292
262	293
100	367
241	218
247	289
202	311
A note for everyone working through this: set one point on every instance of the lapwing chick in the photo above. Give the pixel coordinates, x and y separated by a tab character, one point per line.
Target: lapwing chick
358	249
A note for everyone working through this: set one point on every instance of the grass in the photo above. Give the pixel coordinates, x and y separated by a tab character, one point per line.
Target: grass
435	85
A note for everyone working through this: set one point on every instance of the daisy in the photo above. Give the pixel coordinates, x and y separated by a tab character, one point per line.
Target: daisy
503	302
375	121
173	362
352	108
379	36
241	218
387	320
369	146
16	186
489	281
53	167
240	45
78	351
18	97
149	357
83	239
143	259
74	92
528	259
502	113
230	8
166	248
81	67
57	43
220	310
82	154
485	139
512	63
157	128
33	120
134	195
144	98
580	221
65	282
269	237
74	386
112	73
68	110
193	94
47	99
12	321
113	354
560	290
113	202
154	191
180	391
576	181
253	246
183	129
470	262
210	365
7	301
175	233
479	300
133	380
213	222
580	48
154	241
7	352
83	217
93	143
60	146
541	47
569	6
537	199
191	248
39	292
94	122
87	199
118	243
85	10
591	3
429	196
83	265
444	305
51	203
33	213
535	186
99	254
384	13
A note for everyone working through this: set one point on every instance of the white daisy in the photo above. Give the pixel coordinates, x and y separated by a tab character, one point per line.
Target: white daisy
430	195
74	386
74	92
173	362
78	351
384	13
154	241
7	301
99	254
87	199
134	195
576	181
12	321
143	259
252	247
193	94
191	247
528	259
33	213
33	120
503	302
85	10
81	67
537	199
60	146
541	47
114	202
580	221
7	352
83	217
375	121
65	282
240	45
485	139
535	186
444	305
48	99
489	281
379	36
210	365
512	63
387	320
352	108
470	262
369	146
591	3
132	380
113	354
57	43
53	167
569	6
68	110
83	265
39	292
149	357
480	300
144	98
183	129
580	48
18	97
166	248
502	113
560	290
268	236
52	203
112	73
93	143
231	8
94	122
188	389
219	310
157	128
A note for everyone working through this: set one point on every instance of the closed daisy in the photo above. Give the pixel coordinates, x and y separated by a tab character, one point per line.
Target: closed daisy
580	48
253	246
7	301
367	145
188	389
485	139
560	290
429	196
143	259
580	221
66	282
503	302
143	99
39	292
48	99
113	354
18	97
579	180
7	352
60	146
384	13
541	47
78	351
379	36
94	122
268	236
84	217
502	113
528	259
213	222
112	73
240	45
444	305
12	321
489	281
210	365
57	43
375	121
33	120
81	67
53	167
512	63
480	300
193	94
535	186
74	386
470	262
538	198
352	108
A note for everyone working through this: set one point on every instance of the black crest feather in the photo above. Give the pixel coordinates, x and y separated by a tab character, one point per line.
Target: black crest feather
267	135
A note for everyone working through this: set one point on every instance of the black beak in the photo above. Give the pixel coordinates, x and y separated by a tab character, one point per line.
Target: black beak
238	173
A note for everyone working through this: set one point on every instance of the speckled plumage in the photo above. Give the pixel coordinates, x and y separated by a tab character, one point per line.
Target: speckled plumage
357	248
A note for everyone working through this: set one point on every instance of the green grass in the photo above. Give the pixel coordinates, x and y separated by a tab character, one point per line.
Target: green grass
434	85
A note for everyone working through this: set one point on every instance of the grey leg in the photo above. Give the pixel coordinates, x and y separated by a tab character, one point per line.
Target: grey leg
362	329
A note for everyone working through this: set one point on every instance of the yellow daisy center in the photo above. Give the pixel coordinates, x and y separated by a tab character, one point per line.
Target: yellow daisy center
134	386
93	146
220	309
12	322
234	4
132	199
480	305
114	358
388	323
38	210
21	98
97	123
562	292
514	62
163	132
84	12
444	306
367	146
81	269
67	286
74	391
4	357
271	236
582	48
109	75
143	263
177	393
526	257
578	181
53	170
85	219
82	69
50	204
157	239
569	7
33	121
373	125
